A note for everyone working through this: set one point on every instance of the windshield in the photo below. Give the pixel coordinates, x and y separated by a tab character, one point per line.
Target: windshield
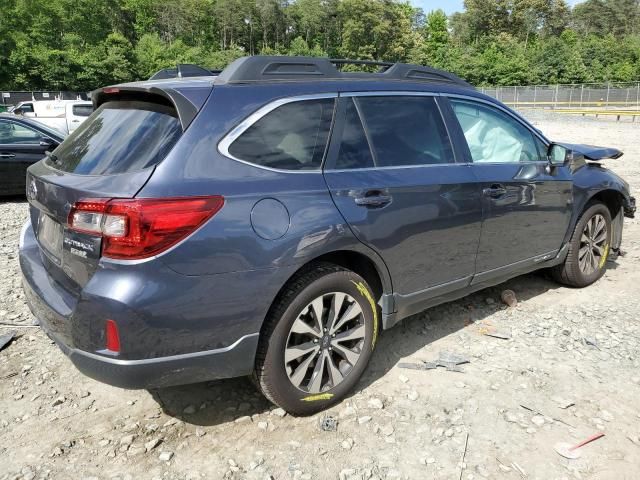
119	137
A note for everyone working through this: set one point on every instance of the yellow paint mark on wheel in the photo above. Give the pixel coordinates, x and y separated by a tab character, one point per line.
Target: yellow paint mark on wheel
319	396
603	260
365	293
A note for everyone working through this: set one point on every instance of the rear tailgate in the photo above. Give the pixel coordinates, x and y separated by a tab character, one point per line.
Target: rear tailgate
71	257
111	155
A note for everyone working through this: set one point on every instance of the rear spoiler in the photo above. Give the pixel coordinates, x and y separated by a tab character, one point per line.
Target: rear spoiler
593	153
187	100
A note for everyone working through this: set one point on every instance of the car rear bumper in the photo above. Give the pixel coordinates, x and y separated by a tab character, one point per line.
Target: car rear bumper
163	350
163	371
231	361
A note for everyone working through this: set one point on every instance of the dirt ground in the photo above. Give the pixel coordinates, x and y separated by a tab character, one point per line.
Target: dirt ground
570	369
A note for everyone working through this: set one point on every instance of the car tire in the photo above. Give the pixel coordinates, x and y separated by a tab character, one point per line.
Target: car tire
583	265
337	355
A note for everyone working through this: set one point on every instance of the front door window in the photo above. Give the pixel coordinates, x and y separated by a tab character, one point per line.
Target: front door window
494	137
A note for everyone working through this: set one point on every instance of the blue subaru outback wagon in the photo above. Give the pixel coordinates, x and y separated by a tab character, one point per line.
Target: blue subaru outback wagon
273	220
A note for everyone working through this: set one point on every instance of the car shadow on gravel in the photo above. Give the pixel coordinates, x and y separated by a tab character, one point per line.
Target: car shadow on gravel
224	401
212	403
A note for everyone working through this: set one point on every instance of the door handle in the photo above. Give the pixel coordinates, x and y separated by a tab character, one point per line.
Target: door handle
373	199
494	191
7	155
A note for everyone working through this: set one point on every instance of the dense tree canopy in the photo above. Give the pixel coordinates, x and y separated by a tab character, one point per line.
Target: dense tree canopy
83	44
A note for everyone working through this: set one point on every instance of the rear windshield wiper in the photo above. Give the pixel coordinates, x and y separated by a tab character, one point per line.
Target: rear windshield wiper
51	156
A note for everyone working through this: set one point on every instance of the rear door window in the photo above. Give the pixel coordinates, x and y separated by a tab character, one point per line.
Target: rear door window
291	137
122	136
354	147
15	134
405	130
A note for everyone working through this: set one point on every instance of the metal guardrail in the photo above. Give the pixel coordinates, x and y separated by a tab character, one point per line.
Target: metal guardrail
600	95
597	112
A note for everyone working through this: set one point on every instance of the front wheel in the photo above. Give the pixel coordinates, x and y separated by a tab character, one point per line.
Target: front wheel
317	340
588	248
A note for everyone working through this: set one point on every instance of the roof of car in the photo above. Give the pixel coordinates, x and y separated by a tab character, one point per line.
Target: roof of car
312	69
299	76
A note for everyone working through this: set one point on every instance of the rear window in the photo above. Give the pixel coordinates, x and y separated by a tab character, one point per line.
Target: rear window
82	110
119	137
291	137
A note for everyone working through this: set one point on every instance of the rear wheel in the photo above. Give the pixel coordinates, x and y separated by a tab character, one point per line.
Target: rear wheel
588	248
317	340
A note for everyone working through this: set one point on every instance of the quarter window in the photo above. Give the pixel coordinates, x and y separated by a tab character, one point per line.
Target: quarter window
291	137
494	137
13	133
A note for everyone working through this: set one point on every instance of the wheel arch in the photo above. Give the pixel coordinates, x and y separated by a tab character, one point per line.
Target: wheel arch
616	202
612	198
374	271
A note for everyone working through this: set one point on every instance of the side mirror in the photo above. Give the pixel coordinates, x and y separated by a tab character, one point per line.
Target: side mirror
559	155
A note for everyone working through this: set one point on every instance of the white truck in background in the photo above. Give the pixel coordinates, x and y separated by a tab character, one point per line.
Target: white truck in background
63	115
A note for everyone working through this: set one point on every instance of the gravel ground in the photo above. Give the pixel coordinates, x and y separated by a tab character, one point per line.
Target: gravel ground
569	369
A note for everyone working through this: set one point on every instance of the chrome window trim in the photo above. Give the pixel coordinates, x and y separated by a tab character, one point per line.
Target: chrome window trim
8	145
397	167
232	136
390	93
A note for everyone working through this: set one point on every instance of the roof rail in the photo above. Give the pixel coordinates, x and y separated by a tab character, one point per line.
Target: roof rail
282	68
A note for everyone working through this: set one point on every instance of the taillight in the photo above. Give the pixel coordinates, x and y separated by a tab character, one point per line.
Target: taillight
140	228
112	336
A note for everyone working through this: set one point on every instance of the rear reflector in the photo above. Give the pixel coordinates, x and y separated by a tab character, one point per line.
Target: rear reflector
112	336
140	228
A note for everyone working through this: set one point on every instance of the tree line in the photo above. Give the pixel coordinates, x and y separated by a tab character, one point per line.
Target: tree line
84	44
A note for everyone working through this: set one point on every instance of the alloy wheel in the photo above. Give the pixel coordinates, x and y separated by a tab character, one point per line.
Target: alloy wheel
592	244
325	342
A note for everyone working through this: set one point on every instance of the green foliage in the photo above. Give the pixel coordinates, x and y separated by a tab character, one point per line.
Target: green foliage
84	44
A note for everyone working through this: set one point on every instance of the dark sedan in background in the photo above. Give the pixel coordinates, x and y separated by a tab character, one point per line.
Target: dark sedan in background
22	142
